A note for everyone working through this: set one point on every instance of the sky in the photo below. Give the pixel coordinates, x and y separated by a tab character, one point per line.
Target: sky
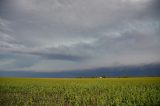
62	35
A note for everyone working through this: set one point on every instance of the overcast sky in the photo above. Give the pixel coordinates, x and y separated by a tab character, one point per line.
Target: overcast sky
56	35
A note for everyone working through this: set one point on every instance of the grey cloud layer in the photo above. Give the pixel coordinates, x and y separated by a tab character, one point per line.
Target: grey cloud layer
76	34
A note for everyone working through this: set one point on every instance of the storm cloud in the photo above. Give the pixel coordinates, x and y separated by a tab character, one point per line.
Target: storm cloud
55	35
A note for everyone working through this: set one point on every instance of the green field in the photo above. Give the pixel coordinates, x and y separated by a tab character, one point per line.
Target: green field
80	92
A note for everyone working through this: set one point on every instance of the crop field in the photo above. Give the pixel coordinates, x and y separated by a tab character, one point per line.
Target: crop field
80	92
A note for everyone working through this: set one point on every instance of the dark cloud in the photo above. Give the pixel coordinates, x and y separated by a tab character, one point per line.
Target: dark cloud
156	8
152	10
63	57
60	34
58	56
156	5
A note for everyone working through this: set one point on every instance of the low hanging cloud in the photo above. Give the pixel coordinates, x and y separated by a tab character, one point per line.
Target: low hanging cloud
75	34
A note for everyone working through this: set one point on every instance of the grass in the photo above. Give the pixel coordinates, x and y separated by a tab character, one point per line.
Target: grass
80	92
